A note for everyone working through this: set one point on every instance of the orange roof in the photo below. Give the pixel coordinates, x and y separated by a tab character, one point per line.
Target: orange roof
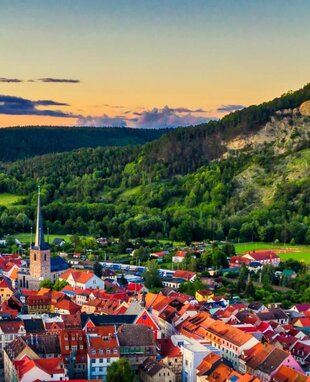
68	305
79	276
149	299
107	347
43	291
220	374
207	363
14	274
286	374
187	275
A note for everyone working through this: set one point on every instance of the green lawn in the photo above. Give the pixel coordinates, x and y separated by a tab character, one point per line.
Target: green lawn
9	199
285	251
25	237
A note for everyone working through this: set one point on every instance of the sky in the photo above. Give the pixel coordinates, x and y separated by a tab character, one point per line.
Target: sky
147	63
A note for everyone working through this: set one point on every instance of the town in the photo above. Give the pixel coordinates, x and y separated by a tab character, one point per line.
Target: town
61	320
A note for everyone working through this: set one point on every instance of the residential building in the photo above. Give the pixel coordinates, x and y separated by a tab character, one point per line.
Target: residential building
153	371
137	343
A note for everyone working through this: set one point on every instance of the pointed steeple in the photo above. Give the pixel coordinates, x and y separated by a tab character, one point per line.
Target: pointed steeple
39	242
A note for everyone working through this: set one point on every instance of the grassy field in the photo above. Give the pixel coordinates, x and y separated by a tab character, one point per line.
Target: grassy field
285	251
9	199
25	237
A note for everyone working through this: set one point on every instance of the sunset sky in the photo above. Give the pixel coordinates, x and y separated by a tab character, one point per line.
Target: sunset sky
147	63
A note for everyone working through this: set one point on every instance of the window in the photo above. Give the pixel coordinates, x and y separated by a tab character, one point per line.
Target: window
108	360
35	257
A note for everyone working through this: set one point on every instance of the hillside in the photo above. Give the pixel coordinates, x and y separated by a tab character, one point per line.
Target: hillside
24	142
246	180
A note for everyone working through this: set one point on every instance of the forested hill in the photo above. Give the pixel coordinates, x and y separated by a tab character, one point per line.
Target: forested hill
24	142
246	177
186	149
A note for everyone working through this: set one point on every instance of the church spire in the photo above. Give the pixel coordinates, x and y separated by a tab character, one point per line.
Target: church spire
39	242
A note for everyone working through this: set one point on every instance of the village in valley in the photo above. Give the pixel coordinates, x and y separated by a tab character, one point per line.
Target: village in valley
74	317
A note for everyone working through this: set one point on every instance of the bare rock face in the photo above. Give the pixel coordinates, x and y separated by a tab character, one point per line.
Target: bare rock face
305	108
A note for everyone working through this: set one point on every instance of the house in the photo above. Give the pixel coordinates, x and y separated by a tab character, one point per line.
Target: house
9	330
82	279
171	356
6	290
73	348
143	317
274	314
66	307
33	347
158	255
137	343
263	360
303	322
29	370
301	352
238	261
287	374
263	257
179	256
103	350
59	242
185	275
153	371
193	353
172	282
203	295
301	308
207	365
257	307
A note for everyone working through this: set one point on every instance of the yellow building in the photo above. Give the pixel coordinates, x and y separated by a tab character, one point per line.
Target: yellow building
203	295
6	291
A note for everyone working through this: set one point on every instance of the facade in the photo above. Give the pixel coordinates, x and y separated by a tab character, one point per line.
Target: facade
103	350
153	371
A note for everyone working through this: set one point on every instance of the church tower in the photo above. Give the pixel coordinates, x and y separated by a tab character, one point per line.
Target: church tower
40	254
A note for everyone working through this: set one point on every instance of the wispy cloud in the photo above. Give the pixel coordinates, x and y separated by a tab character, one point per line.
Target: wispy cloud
10	80
21	106
113	106
154	119
59	80
229	108
102	121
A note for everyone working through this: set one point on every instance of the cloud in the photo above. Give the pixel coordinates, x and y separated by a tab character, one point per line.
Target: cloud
168	117
102	121
20	106
229	108
151	119
59	80
10	80
114	106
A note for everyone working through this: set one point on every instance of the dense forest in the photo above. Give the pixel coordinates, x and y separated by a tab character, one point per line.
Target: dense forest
24	142
187	185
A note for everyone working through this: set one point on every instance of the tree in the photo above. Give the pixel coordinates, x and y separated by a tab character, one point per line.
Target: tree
151	275
121	371
46	284
97	268
250	289
59	285
242	279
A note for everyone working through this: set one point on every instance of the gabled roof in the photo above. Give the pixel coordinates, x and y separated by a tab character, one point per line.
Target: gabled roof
167	348
186	275
106	320
151	368
79	276
58	264
286	374
208	364
135	335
